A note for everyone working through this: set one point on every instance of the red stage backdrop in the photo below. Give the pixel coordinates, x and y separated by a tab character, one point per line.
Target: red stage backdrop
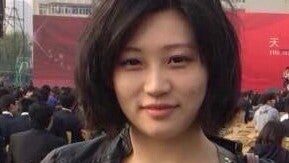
265	49
55	41
264	40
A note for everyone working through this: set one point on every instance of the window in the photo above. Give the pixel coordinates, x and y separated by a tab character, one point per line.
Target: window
75	10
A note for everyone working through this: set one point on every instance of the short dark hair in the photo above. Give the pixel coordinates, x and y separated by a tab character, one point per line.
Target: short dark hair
111	26
272	133
25	103
267	96
286	104
44	93
3	91
6	101
40	114
67	100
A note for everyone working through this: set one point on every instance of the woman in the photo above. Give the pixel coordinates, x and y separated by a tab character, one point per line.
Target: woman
269	142
156	75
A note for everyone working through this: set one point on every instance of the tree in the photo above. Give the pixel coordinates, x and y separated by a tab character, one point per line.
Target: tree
14	51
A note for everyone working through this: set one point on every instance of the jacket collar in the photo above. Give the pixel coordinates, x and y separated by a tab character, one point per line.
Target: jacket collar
7	113
115	150
24	113
65	109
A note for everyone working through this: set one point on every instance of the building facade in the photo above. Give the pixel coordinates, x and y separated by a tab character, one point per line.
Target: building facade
267	6
83	8
262	6
77	8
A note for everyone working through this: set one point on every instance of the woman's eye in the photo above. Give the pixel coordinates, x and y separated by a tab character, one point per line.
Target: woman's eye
130	63
178	60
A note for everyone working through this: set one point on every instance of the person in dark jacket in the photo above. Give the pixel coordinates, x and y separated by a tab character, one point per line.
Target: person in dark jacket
22	122
71	124
269	142
285	118
32	146
157	76
9	108
2	150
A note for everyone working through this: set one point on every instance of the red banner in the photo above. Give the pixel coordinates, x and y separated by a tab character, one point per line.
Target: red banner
55	41
265	49
264	40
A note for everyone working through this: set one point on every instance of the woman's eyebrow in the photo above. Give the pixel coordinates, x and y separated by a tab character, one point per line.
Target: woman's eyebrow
131	48
179	45
172	46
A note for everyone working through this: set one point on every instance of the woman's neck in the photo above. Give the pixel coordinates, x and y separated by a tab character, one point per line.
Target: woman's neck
192	146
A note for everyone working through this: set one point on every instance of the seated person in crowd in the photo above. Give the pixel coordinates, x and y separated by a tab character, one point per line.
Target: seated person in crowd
32	146
285	120
285	117
266	111
269	143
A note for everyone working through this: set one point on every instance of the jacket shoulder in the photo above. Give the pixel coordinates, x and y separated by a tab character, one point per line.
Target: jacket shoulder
75	153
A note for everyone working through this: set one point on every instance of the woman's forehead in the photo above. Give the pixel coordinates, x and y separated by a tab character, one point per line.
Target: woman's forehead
168	28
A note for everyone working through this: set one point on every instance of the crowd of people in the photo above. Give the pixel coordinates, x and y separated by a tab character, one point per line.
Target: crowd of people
263	119
34	121
156	81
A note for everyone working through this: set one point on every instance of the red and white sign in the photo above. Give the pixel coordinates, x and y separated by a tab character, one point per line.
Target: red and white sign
55	41
264	39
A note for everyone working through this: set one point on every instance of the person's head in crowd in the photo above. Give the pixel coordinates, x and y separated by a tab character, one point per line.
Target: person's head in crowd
8	103
18	93
25	104
3	91
272	133
55	91
35	95
245	94
244	101
28	91
40	115
255	99
268	98
284	93
286	104
45	89
44	93
67	100
53	97
65	90
129	61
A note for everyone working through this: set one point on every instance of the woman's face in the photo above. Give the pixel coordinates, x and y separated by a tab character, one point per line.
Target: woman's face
159	80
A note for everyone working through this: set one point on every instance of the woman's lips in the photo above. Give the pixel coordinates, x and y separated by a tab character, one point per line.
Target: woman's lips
159	111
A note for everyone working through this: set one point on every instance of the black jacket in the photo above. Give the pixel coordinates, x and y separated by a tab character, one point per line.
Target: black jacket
5	121
19	124
271	151
2	156
104	150
32	146
70	123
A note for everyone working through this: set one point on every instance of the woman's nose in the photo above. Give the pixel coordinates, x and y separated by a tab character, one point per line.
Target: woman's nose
157	83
